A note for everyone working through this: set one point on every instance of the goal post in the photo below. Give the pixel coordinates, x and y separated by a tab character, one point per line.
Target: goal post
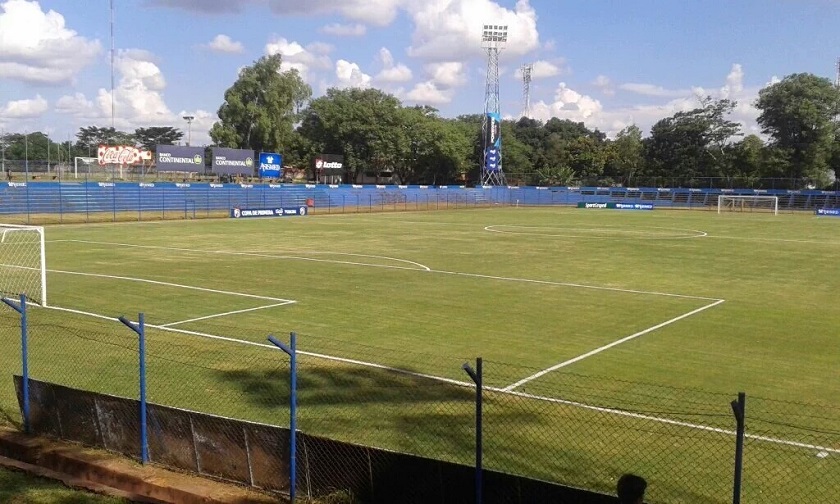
23	268
748	203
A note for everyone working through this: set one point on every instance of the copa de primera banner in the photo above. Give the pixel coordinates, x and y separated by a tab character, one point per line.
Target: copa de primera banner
244	213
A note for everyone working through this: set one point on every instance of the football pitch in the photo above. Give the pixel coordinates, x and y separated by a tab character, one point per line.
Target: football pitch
611	341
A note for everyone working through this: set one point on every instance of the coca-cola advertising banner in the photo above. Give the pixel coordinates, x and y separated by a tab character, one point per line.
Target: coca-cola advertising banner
233	161
122	155
175	158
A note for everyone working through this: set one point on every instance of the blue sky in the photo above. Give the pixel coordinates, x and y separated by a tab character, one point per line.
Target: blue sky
606	63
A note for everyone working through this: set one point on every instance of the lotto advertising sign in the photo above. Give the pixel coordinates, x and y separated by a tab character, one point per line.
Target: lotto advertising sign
244	213
831	212
233	161
176	158
271	164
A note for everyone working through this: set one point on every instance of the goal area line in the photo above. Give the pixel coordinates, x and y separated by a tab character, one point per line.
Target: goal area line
471	385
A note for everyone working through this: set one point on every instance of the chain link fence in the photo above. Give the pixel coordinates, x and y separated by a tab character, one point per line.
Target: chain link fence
354	418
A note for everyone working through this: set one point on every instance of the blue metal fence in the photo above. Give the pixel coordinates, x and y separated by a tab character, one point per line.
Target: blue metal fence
126	200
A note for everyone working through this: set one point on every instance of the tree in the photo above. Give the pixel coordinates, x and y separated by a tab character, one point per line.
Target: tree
148	138
91	137
261	108
364	125
692	143
626	155
798	114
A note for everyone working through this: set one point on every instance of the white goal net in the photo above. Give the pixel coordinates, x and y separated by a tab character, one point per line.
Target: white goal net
744	203
22	263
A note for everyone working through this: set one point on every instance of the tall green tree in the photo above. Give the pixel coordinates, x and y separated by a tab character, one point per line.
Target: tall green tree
91	137
261	108
148	138
625	159
364	125
798	114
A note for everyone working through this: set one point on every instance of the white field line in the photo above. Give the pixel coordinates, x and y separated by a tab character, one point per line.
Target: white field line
225	314
618	232
576	404
269	256
598	350
780	240
424	269
170	284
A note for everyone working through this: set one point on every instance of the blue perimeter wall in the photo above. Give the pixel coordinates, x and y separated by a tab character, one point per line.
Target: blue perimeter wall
199	198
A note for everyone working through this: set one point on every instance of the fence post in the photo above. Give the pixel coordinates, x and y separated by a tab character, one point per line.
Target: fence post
140	329
476	375
291	350
24	337
738	408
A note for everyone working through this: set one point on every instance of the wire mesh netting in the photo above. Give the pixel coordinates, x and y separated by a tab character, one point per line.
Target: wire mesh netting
216	405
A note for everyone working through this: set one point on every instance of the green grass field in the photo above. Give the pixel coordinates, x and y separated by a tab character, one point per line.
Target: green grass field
20	488
611	341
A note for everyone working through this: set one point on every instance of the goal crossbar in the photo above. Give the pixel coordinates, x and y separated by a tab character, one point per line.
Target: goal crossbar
23	268
748	203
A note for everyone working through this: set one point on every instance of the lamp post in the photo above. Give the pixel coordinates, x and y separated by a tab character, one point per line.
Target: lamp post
189	119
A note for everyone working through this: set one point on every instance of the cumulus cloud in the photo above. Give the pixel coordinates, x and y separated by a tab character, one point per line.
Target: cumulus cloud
350	75
570	104
392	72
447	74
542	69
25	109
344	30
428	93
451	29
298	57
224	44
37	47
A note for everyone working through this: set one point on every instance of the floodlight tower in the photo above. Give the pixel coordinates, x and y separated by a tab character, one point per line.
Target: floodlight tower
837	75
526	88
493	40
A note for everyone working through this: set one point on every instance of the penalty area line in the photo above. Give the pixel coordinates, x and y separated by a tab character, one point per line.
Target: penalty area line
615	343
575	404
216	315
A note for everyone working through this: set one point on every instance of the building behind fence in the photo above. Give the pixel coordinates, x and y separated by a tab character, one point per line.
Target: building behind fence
223	409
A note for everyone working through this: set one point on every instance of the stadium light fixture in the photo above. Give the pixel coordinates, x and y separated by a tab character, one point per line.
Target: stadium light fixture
494	35
189	119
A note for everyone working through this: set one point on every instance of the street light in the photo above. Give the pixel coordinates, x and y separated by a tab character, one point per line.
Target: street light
189	119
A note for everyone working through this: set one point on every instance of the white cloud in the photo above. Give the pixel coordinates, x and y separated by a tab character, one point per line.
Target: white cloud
604	83
541	69
375	12
25	109
570	104
37	47
350	75
392	72
224	44
297	57
448	30
344	30
427	93
652	90
447	74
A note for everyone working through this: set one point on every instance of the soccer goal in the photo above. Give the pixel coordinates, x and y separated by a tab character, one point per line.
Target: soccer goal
744	203
22	263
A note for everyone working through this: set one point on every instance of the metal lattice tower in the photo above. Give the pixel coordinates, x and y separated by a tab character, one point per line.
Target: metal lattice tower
493	40
526	89
837	75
